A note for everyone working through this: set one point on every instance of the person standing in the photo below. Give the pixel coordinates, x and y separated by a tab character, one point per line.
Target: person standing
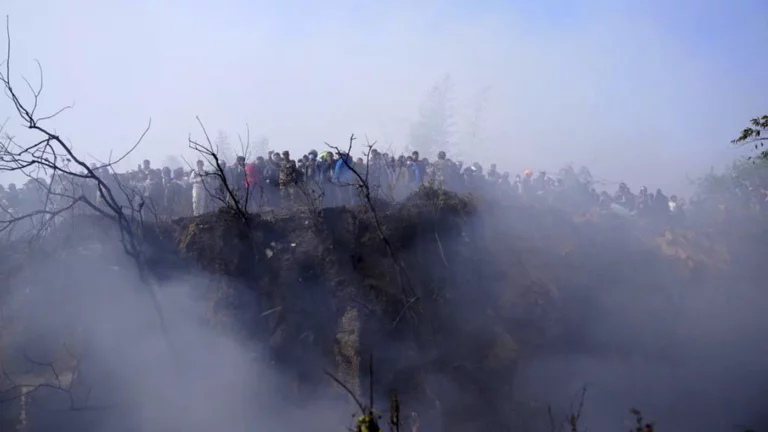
199	193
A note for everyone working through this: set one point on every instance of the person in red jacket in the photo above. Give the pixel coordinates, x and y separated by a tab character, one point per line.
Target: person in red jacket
253	175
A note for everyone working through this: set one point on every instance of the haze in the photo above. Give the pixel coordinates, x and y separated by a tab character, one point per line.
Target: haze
645	92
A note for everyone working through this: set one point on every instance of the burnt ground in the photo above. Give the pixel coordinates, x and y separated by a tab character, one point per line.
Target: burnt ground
470	288
447	294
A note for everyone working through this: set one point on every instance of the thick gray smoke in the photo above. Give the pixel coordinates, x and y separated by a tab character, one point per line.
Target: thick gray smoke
685	348
643	92
694	361
89	305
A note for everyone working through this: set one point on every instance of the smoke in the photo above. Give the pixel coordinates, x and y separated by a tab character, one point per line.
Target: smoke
88	304
684	345
685	350
637	92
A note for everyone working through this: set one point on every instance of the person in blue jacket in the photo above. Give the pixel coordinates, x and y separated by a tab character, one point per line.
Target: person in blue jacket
417	168
342	174
344	178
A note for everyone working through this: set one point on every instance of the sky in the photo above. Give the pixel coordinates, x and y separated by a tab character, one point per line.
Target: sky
647	92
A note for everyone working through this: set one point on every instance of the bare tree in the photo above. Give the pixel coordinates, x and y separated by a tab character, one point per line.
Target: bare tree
409	294
209	151
368	421
477	119
433	131
48	155
64	377
223	145
311	194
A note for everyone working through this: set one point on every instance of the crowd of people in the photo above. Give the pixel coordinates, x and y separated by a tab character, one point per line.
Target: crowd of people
321	179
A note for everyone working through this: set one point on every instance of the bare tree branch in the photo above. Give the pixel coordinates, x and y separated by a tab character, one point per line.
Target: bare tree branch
50	152
209	152
409	295
18	389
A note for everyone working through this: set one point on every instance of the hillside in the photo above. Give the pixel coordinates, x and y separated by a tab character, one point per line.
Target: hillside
477	286
449	295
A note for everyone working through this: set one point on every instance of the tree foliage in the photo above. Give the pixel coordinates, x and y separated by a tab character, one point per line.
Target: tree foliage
477	120
755	135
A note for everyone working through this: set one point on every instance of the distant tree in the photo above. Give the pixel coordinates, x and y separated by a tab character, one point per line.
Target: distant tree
433	131
223	145
477	118
755	135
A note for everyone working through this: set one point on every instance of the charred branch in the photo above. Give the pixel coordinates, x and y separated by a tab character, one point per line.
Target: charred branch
409	294
210	153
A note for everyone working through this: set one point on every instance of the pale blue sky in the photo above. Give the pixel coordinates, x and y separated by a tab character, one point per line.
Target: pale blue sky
640	90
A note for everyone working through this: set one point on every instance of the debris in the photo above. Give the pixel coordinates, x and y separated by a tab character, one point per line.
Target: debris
271	311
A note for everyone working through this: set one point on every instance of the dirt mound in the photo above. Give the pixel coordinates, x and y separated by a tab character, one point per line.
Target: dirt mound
446	292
